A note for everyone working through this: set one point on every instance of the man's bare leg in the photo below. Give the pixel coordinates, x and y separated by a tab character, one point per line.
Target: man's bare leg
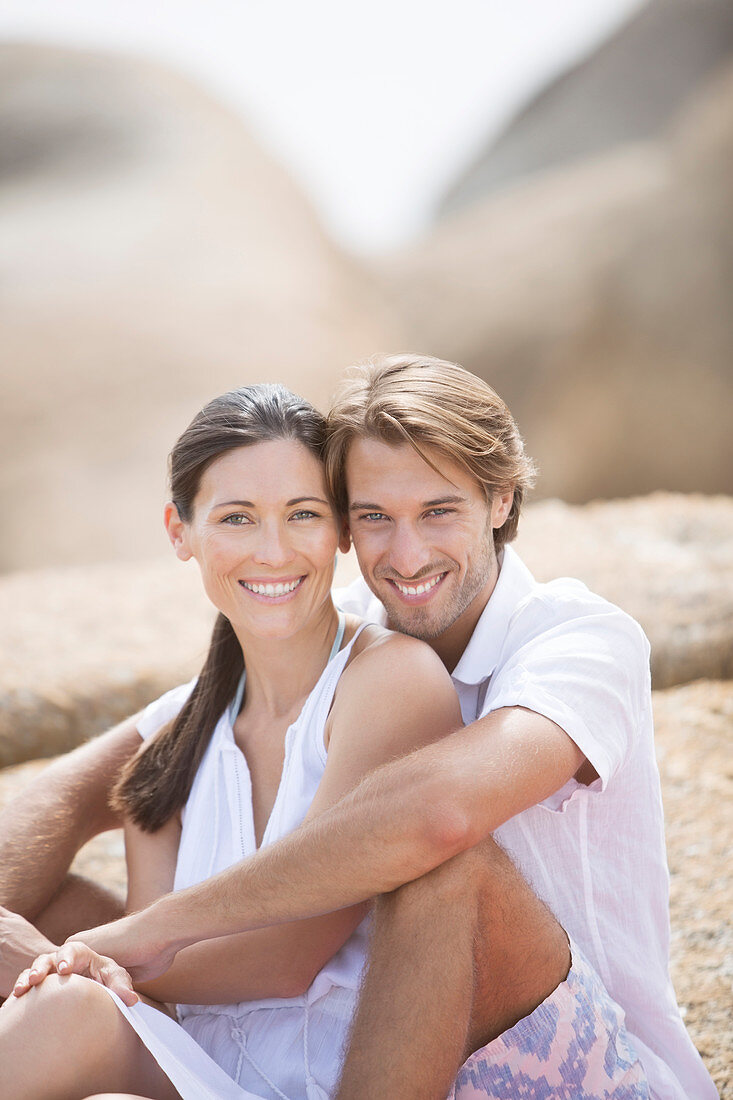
46	824
458	957
78	903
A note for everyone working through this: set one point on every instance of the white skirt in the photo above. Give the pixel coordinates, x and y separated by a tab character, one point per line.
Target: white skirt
288	1052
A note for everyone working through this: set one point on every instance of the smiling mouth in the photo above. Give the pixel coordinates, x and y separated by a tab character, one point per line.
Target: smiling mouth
273	590
412	591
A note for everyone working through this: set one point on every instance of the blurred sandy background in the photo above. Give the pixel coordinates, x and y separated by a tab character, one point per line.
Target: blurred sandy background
193	197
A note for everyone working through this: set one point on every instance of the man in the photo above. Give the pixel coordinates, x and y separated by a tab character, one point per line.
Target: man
555	765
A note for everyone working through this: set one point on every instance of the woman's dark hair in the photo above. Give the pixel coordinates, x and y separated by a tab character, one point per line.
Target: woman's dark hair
157	781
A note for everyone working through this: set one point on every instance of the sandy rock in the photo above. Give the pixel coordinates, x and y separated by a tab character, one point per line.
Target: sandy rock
666	558
627	90
694	726
84	648
152	255
596	299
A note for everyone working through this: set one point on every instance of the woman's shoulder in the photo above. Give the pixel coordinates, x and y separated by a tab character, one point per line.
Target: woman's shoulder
379	652
395	692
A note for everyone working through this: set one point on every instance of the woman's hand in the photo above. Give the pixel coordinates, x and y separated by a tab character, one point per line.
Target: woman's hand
132	943
76	958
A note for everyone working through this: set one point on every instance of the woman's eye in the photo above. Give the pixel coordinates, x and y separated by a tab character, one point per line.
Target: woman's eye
236	519
305	513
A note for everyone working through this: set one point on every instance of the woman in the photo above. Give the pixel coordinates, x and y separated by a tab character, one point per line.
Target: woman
235	761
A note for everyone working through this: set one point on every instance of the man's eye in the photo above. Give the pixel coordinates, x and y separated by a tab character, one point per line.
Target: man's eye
439	512
373	517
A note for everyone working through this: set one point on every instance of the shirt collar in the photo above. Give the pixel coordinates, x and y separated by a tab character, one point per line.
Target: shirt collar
480	656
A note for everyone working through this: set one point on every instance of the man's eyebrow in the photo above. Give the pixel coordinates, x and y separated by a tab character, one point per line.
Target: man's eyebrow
369	506
444	500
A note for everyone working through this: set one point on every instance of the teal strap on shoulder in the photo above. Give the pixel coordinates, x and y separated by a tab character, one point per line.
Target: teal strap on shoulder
339	636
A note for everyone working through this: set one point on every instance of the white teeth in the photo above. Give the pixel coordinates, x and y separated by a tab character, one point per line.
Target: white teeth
279	589
418	590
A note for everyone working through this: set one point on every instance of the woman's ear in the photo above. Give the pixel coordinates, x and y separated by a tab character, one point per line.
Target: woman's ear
345	538
177	531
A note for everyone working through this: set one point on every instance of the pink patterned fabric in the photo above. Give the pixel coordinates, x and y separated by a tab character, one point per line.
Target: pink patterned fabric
574	1046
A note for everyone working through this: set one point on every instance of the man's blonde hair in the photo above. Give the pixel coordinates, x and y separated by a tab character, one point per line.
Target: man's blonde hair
429	402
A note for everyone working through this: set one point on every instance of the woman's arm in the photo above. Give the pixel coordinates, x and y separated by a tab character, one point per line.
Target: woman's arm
414	705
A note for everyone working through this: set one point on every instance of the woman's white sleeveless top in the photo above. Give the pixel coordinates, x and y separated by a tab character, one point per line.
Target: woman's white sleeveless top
218	830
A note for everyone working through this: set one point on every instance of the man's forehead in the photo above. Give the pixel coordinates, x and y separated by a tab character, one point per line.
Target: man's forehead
376	469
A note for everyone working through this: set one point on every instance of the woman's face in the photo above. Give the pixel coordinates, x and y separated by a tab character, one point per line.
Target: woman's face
264	535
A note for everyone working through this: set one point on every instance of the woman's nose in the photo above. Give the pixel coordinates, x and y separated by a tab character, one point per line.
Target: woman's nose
273	547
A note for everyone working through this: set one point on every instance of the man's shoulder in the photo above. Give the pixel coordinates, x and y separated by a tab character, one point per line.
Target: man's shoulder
357	599
569	615
567	599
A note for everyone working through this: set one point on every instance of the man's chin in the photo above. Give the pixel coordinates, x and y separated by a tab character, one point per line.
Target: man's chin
417	622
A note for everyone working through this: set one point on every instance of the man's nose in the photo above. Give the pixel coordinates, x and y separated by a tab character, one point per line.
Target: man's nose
408	552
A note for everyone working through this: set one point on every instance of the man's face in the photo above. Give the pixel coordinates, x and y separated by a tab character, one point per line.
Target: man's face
424	539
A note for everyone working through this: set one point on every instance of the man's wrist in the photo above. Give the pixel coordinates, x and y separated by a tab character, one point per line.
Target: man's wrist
167	924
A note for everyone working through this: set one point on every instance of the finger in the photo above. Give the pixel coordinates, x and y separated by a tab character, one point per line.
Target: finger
22	983
74	958
118	980
40	968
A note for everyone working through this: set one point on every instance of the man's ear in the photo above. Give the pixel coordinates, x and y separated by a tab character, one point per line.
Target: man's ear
345	538
177	531
501	506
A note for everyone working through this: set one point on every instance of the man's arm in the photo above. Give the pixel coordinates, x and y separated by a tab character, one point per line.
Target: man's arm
416	705
400	822
42	829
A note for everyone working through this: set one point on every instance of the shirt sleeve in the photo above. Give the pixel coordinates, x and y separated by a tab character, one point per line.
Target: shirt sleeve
163	710
584	664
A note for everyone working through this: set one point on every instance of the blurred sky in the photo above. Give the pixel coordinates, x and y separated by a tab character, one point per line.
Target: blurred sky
374	108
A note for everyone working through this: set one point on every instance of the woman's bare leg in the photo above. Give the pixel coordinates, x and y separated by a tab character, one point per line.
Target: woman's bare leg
66	1038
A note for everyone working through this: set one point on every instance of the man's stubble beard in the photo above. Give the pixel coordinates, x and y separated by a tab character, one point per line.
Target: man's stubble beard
419	622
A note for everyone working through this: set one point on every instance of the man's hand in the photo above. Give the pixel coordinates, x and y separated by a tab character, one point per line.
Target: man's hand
20	942
131	944
77	958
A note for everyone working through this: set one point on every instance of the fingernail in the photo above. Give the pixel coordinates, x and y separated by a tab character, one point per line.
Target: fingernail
63	966
33	974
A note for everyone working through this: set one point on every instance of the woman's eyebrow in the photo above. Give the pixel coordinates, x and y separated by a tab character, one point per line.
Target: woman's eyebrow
250	504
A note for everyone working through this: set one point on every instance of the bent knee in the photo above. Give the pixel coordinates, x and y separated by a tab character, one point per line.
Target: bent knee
455	883
75	996
472	879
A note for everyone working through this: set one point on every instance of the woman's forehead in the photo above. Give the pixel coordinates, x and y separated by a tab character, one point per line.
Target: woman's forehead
274	469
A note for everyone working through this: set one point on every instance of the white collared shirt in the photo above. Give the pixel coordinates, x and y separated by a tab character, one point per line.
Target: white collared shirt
595	854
